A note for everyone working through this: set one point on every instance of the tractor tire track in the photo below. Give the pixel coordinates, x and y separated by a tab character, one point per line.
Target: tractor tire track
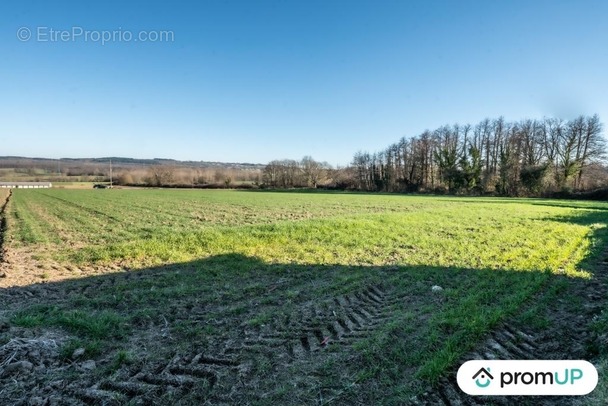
314	326
181	377
565	338
507	343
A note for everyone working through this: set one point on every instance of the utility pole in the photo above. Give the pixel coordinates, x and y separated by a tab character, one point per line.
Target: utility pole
110	173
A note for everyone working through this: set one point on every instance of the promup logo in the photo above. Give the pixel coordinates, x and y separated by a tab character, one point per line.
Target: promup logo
513	377
483	374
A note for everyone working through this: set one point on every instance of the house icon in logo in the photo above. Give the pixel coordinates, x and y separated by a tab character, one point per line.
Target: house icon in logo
483	374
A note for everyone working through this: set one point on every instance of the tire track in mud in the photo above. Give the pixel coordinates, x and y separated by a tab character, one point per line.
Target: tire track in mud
193	379
188	376
566	338
507	343
182	376
315	326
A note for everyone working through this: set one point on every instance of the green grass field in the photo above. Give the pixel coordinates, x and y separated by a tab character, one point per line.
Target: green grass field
306	297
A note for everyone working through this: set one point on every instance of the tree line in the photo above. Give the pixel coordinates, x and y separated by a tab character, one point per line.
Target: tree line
289	173
527	157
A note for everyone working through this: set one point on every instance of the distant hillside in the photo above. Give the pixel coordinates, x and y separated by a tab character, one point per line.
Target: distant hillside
128	171
43	163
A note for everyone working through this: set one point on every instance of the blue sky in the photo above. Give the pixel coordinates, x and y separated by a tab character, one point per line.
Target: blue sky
251	81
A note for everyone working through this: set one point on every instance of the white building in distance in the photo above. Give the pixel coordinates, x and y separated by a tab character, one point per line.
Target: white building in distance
25	185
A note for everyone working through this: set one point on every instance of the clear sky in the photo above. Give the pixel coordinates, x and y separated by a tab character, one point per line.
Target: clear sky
251	81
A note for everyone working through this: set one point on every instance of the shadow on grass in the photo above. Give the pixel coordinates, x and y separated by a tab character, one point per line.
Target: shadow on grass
279	333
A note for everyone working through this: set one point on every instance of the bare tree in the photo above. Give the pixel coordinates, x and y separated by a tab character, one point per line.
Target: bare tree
160	175
271	173
592	146
313	171
494	155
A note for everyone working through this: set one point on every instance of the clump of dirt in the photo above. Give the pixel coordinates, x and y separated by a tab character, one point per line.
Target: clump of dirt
25	363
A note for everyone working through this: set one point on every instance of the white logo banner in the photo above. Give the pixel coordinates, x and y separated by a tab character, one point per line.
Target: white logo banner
512	377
